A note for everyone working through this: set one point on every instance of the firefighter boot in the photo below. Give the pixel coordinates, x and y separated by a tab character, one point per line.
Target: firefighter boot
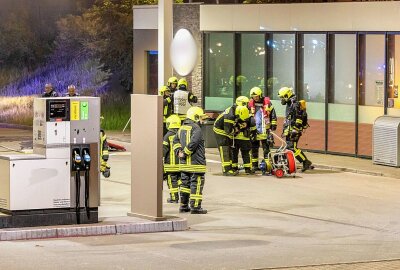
184	203
307	165
198	211
231	173
249	171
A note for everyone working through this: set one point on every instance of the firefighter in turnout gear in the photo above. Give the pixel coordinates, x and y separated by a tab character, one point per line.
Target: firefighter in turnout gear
172	84
105	169
171	161
294	124
242	140
183	99
189	146
230	121
265	118
168	105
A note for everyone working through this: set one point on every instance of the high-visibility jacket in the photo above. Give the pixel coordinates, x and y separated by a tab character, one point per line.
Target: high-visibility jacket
168	107
183	101
294	117
249	132
171	160
268	116
189	139
226	122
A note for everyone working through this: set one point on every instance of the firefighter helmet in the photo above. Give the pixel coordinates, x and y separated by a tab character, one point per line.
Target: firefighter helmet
242	101
195	114
242	112
256	91
182	84
172	80
285	93
173	122
163	89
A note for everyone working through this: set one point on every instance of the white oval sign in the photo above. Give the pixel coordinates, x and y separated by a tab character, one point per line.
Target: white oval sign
183	52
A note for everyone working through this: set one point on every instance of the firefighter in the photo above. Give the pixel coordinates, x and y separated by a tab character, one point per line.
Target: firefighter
71	91
105	169
265	118
293	125
183	99
242	140
172	83
189	146
227	123
49	91
171	161
168	105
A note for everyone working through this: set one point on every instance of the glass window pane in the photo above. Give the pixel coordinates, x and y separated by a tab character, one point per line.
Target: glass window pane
394	75
219	53
374	71
341	107
314	68
283	67
251	65
313	90
371	95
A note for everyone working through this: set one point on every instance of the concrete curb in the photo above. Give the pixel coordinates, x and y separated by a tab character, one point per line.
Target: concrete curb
344	169
93	230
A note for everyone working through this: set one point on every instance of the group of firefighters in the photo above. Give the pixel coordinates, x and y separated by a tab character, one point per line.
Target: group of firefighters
244	127
105	169
247	125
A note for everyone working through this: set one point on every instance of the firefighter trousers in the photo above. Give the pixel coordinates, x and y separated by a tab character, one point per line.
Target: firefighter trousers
225	150
298	153
245	149
254	151
192	189
173	181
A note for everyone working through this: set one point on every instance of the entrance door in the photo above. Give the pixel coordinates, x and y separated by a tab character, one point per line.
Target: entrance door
152	72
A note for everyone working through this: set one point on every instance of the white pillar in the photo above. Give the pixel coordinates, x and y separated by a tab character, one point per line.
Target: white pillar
165	34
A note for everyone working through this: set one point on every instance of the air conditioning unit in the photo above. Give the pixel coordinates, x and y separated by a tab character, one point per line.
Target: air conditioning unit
386	141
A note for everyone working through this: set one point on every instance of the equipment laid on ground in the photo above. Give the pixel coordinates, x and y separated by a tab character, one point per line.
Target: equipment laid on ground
282	161
59	182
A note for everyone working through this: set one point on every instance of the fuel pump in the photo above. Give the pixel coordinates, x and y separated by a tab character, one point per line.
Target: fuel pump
47	186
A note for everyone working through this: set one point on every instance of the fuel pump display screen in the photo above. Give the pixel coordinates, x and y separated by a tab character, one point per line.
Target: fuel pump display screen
57	110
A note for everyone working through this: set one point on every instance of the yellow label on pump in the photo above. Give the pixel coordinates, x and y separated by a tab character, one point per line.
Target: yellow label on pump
75	110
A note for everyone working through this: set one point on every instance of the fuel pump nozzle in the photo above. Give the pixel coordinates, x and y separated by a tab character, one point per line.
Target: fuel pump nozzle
76	166
86	164
76	161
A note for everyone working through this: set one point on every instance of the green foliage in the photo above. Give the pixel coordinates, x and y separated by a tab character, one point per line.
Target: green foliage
20	44
104	32
115	109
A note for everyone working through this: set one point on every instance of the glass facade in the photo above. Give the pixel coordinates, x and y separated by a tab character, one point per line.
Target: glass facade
220	59
342	95
347	79
251	66
393	61
312	88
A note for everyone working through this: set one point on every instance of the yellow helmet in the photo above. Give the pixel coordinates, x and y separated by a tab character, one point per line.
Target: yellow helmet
173	122
182	82
195	114
256	91
285	93
163	89
172	80
242	112
242	101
